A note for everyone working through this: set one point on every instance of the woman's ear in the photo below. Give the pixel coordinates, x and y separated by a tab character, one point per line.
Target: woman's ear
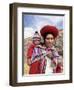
55	41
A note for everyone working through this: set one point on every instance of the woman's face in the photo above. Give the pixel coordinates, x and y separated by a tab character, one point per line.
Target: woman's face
49	40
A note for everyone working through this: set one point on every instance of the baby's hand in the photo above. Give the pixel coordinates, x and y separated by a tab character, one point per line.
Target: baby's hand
38	46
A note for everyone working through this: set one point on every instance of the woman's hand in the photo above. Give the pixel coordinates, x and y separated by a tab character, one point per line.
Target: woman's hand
49	54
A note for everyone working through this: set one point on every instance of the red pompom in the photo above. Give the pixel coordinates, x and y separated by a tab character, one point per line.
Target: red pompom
49	29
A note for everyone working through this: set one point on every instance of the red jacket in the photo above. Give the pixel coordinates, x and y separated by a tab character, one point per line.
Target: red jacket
30	51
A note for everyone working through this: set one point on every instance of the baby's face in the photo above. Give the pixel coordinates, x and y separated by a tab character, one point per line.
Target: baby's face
37	42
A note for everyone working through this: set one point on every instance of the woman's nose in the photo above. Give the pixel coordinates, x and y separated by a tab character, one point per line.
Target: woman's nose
50	40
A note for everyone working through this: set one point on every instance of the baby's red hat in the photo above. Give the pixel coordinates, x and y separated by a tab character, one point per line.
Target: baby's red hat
49	29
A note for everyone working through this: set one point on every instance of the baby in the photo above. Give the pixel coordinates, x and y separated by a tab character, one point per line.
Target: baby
36	42
34	56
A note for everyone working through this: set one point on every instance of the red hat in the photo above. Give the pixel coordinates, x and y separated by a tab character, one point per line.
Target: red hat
49	29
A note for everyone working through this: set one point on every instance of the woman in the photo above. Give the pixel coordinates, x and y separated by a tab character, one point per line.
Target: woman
49	34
